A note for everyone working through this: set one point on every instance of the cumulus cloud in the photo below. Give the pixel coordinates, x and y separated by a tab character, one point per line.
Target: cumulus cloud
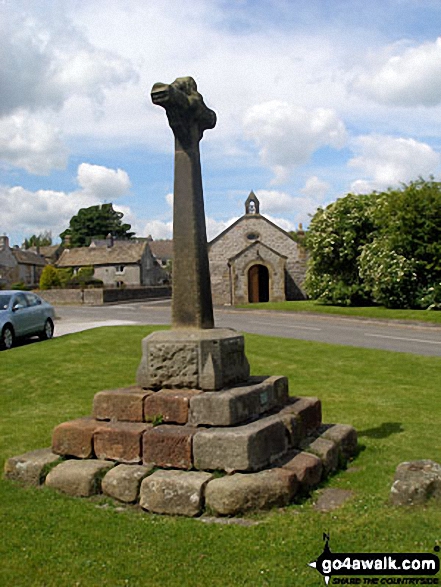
274	201
315	188
387	161
409	78
288	135
46	61
103	182
29	212
32	144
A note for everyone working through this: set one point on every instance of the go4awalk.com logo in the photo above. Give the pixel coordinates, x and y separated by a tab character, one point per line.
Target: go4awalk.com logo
377	568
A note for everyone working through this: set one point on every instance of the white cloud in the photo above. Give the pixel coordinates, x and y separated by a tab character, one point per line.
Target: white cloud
158	229
31	143
28	212
169	199
274	201
46	61
288	135
409	78
388	161
315	188
102	182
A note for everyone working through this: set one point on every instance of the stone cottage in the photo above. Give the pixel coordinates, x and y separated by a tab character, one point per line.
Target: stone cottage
254	260
116	263
18	265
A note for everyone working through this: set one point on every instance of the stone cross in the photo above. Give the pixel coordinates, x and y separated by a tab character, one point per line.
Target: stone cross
188	117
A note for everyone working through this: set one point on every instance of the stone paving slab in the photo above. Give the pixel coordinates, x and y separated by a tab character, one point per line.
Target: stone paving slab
124	404
172	405
123	481
30	467
80	478
243	448
239	404
179	493
120	441
169	446
242	492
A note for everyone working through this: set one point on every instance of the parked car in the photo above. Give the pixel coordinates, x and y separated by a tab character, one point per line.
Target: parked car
24	314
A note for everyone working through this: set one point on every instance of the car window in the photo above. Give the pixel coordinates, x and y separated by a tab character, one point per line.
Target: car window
4	301
32	299
20	300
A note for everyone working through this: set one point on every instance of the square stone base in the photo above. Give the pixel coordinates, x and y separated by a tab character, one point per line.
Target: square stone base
208	359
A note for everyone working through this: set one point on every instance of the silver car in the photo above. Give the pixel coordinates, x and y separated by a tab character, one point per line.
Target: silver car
24	314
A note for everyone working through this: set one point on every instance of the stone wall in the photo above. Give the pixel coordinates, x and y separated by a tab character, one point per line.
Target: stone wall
99	296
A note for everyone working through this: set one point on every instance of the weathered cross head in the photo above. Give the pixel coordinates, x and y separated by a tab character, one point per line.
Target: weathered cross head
187	114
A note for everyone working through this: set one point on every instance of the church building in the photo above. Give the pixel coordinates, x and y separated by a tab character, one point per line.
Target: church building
254	260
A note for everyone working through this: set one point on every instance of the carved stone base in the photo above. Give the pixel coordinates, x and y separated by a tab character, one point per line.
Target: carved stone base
208	359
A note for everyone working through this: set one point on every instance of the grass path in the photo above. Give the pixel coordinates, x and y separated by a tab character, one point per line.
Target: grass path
393	400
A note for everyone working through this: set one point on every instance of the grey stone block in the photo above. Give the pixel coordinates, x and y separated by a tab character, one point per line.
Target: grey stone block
242	448
345	437
123	481
174	492
326	450
242	492
307	468
416	482
238	404
207	359
30	467
80	478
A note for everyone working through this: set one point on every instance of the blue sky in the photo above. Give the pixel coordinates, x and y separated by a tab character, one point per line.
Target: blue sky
315	98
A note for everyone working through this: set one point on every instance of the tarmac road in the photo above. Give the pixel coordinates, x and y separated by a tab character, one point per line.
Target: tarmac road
416	338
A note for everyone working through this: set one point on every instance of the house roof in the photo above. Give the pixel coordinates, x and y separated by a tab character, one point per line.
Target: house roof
46	251
162	249
121	253
27	257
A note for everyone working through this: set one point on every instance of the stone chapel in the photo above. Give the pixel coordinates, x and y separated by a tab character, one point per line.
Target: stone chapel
254	260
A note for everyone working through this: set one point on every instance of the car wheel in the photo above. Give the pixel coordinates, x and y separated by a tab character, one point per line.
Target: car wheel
7	338
48	331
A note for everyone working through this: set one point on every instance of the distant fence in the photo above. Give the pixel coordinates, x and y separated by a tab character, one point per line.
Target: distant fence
100	296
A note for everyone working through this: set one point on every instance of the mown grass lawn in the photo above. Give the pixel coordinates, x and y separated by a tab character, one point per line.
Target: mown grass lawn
49	539
375	312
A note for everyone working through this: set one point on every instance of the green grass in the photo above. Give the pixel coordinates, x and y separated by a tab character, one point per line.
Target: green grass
50	539
376	312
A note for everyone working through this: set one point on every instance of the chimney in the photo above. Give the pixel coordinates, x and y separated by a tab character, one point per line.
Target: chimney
4	243
109	240
67	241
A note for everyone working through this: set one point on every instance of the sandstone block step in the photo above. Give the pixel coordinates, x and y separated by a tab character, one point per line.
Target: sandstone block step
75	438
169	446
123	481
30	467
123	404
80	478
120	441
171	405
174	492
243	448
242	492
238	404
345	437
308	469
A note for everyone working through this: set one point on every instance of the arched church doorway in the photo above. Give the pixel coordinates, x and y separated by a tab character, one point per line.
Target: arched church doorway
258	284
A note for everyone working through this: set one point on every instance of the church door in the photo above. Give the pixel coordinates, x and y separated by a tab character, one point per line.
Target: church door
258	284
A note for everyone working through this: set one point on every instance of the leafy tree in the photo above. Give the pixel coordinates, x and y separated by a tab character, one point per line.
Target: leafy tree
44	239
96	222
380	247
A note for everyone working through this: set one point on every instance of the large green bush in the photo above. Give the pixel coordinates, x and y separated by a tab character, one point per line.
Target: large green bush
383	248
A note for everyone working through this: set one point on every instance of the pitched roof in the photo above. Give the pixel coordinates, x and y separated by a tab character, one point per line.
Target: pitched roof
27	257
121	253
162	249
